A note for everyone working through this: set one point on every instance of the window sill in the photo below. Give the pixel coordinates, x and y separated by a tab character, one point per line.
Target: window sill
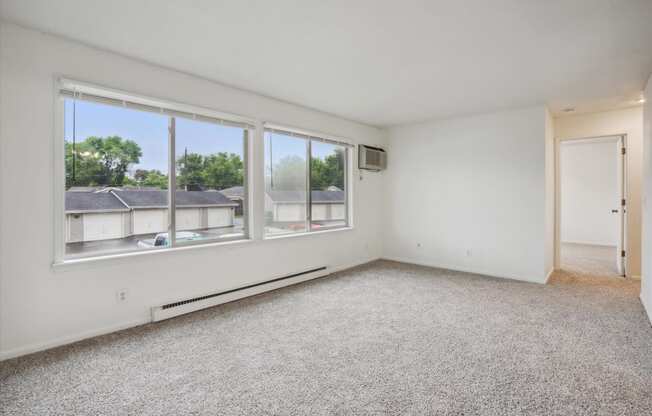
306	234
84	262
113	259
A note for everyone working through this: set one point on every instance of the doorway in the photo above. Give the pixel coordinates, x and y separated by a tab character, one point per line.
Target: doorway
592	206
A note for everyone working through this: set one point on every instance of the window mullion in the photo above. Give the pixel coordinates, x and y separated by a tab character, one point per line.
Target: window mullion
245	182
309	188
172	182
347	183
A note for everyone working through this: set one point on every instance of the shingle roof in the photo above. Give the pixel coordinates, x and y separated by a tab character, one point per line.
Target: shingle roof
92	201
202	198
327	196
113	199
300	196
140	198
234	192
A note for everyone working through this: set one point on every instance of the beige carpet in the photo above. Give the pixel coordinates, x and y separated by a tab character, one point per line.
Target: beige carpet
382	339
589	265
586	259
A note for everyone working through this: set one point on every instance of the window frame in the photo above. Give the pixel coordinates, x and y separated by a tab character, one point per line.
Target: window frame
171	108
309	137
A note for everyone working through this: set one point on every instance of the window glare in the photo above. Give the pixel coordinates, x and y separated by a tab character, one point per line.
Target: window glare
285	184
286	176
327	184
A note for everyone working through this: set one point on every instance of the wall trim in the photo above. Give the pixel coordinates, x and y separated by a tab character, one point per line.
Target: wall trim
589	243
462	269
549	275
70	339
646	307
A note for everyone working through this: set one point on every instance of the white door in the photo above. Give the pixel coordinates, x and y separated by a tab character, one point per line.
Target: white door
620	209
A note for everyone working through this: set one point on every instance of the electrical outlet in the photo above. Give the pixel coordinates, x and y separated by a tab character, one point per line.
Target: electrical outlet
418	245
469	253
122	295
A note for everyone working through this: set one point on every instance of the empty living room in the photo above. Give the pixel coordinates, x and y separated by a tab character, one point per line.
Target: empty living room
362	207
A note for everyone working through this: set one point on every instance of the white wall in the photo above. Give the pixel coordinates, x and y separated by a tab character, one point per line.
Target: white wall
290	212
337	212
589	191
469	194
103	226
188	218
611	123
219	217
41	306
646	249
550	182
149	221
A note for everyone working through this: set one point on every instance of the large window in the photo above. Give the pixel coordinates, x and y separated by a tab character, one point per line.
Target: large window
146	177
305	183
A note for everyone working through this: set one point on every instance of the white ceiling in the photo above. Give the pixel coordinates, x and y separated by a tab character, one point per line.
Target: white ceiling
376	61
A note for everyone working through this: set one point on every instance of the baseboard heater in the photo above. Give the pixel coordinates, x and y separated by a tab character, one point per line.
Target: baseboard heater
181	307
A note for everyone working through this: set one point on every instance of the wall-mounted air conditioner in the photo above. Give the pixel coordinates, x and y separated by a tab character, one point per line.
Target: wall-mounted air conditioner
371	158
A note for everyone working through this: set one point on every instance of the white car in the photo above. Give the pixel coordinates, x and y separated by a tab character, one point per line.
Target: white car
162	240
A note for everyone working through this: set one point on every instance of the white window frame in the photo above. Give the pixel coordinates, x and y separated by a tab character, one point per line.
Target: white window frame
170	109
310	136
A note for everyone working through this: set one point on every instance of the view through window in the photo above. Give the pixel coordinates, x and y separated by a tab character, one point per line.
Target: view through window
117	165
209	180
328	185
293	164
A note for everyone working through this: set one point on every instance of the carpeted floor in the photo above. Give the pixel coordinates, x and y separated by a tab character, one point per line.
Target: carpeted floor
385	338
589	259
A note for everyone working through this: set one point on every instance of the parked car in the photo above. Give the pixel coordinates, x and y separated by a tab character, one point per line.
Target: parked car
162	240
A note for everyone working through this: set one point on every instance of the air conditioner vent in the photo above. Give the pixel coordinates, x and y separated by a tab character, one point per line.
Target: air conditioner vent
371	158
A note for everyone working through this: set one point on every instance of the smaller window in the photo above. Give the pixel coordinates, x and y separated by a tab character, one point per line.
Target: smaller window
328	206
306	183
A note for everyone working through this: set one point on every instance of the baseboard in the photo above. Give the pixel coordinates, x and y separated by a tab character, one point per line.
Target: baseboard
635	277
462	269
210	300
549	275
32	348
589	243
29	349
646	307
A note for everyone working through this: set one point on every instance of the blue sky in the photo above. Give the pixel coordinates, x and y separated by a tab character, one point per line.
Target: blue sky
149	130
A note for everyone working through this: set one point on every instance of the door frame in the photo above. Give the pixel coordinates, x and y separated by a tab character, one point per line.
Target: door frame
625	193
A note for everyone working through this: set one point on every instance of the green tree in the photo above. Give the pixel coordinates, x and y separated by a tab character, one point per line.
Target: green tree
219	170
100	161
151	178
328	171
223	170
190	170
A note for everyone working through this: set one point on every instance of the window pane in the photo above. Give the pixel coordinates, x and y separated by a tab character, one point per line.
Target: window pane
210	189
327	185
285	184
116	162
